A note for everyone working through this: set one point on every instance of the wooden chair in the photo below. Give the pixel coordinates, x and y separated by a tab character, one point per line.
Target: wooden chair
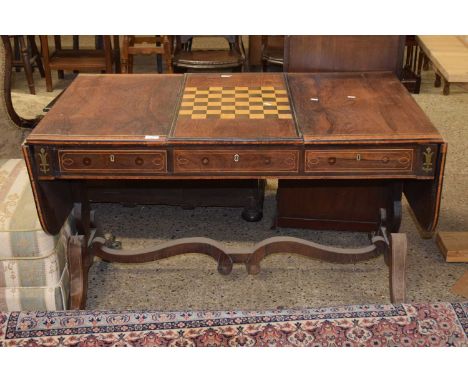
145	45
208	59
26	55
77	60
272	51
344	53
409	77
13	128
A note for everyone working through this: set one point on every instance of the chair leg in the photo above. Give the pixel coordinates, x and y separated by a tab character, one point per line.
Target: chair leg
116	53
16	52
27	64
45	57
37	55
426	63
446	90
76	42
124	55
58	46
107	47
76	46
437	81
130	64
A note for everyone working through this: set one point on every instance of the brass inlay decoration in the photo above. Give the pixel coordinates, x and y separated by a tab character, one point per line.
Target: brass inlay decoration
427	165
236	102
44	166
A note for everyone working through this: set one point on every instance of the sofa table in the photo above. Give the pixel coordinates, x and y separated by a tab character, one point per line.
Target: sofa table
361	128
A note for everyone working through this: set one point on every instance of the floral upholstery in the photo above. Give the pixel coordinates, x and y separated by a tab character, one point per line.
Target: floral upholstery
33	264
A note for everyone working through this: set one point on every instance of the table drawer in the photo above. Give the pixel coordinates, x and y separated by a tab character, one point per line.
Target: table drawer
112	161
356	161
237	161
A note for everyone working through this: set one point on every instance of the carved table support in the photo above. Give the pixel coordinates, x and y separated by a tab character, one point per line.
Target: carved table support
393	249
78	265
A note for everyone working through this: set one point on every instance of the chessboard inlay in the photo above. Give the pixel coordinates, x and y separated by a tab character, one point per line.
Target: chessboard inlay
259	102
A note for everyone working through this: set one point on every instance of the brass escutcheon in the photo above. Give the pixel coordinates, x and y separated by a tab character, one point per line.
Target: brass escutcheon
427	164
43	165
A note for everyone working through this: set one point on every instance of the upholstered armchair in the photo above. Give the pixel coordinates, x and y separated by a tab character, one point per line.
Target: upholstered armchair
33	264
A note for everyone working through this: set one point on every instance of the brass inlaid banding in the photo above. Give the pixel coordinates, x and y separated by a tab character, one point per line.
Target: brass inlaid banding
237	102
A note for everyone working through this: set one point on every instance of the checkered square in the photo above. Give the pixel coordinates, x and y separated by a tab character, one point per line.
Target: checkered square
261	102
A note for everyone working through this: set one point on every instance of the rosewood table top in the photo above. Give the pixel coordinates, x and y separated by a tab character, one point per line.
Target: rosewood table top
244	107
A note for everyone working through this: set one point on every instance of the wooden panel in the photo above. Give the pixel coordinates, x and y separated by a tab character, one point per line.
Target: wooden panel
54	199
237	161
344	107
365	160
111	161
112	107
453	245
186	193
424	196
335	204
247	106
344	53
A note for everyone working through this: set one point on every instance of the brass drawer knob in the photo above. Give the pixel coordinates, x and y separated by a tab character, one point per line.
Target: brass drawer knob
139	161
86	161
205	160
332	160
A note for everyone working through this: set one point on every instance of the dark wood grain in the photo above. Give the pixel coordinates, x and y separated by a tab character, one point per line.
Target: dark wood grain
351	107
113	107
337	204
344	53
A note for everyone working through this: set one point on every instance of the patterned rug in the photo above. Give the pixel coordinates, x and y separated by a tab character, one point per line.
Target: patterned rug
441	324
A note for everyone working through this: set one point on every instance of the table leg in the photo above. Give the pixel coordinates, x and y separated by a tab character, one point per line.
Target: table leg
398	248
437	81
80	257
446	90
78	272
